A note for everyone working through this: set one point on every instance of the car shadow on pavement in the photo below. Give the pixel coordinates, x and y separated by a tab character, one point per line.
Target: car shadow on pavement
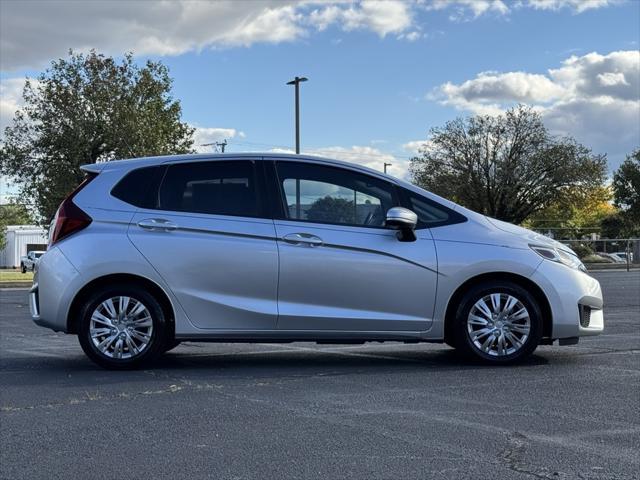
299	362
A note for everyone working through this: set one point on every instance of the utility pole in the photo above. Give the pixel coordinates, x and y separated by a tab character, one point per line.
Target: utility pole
386	165
296	82
217	145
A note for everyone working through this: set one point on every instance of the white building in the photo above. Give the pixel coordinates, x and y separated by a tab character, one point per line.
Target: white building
20	240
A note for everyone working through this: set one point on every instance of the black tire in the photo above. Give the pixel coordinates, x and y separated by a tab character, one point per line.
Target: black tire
23	268
462	337
153	348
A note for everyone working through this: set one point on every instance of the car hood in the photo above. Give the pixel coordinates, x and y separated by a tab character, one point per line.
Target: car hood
529	236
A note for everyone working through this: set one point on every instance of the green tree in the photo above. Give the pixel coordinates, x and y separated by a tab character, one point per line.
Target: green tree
12	214
507	166
626	189
582	216
85	109
615	226
332	209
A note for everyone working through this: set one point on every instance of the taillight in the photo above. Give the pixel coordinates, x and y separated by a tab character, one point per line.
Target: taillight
69	218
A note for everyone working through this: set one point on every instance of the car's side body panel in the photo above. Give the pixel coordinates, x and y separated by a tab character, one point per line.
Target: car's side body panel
223	270
358	279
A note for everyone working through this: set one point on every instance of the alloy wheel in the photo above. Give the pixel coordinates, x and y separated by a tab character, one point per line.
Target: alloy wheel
121	327
498	324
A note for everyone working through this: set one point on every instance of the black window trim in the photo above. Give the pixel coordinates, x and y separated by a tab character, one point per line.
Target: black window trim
279	212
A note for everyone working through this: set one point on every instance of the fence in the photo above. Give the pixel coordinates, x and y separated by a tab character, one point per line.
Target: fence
622	251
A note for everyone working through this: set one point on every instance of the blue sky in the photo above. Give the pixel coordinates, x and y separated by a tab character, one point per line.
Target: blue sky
381	73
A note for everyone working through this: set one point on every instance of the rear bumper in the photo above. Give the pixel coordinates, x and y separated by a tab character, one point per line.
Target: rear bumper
54	285
575	299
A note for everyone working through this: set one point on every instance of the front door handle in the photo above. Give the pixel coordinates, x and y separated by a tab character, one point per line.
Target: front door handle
302	239
157	224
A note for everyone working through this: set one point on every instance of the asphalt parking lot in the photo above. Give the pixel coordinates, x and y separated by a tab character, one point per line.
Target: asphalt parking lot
308	411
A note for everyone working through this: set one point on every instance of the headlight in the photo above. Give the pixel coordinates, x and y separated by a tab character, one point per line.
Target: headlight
559	256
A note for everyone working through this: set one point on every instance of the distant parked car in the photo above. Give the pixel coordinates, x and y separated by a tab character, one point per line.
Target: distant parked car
613	257
28	262
277	248
623	256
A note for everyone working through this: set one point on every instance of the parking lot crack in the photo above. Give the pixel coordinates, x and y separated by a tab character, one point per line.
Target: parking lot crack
513	458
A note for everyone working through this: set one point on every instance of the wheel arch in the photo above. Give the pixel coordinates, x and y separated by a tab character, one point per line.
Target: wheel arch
529	285
108	280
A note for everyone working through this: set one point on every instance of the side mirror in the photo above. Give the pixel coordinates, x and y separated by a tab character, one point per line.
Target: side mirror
403	220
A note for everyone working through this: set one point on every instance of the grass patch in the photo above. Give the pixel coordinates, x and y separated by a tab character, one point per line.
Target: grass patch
15	276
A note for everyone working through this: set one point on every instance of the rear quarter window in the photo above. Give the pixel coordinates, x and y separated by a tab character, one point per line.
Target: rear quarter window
139	187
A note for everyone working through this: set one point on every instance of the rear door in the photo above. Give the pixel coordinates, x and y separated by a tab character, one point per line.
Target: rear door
208	235
340	268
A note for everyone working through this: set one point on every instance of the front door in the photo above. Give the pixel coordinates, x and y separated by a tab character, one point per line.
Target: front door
340	269
212	243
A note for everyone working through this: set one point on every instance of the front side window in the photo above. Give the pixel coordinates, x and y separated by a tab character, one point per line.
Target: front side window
217	188
320	194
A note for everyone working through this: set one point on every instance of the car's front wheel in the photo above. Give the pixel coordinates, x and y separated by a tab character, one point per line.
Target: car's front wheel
498	322
122	327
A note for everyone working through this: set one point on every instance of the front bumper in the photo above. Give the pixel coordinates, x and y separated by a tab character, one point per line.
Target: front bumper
575	299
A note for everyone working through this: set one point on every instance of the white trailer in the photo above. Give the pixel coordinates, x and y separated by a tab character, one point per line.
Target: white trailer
20	240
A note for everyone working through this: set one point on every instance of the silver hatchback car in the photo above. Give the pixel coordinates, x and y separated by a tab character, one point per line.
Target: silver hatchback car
149	252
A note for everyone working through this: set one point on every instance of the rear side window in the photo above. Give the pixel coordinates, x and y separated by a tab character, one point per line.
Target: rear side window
139	187
216	188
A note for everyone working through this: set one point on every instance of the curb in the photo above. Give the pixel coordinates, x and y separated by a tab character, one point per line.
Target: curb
15	284
592	267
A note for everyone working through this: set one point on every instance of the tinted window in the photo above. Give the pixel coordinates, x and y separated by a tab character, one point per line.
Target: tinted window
321	194
430	213
139	187
219	188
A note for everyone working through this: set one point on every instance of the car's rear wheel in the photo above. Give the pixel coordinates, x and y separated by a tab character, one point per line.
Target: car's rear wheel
498	322
122	327
23	268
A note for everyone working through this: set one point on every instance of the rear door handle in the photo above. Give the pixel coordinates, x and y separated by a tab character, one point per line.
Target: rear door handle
157	224
302	239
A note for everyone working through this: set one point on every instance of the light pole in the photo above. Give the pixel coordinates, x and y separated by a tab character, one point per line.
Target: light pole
386	165
296	82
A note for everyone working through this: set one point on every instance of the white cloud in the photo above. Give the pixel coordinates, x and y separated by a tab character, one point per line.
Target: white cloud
470	9
382	17
594	97
476	7
414	147
578	6
36	31
208	135
489	87
10	100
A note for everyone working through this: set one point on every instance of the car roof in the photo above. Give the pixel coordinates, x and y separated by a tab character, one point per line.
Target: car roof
191	157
